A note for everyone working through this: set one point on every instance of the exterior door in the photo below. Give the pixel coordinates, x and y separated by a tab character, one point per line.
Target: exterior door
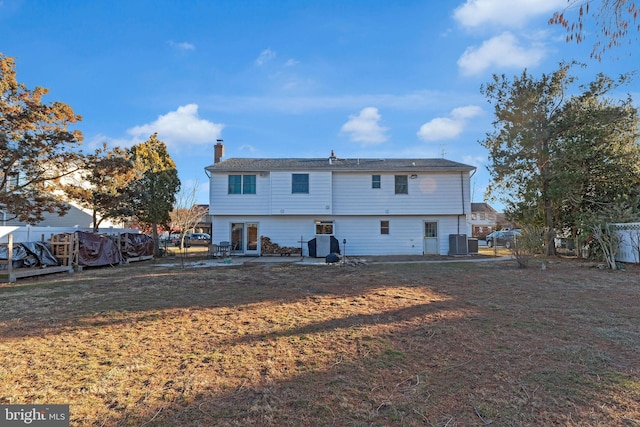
431	238
237	238
253	240
244	238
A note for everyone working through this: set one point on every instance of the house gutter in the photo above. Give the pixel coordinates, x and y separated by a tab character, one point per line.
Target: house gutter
462	195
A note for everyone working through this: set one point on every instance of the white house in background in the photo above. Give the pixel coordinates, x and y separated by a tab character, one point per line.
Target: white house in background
484	219
77	216
379	206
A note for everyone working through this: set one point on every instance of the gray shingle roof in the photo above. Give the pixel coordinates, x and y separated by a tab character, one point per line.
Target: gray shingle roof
482	207
368	165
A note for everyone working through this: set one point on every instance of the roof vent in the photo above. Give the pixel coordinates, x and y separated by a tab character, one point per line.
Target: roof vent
332	158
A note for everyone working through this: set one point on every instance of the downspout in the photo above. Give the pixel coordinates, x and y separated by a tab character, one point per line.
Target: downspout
461	198
462	194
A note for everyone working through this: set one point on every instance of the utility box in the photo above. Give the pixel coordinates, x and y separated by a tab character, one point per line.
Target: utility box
323	245
458	244
472	245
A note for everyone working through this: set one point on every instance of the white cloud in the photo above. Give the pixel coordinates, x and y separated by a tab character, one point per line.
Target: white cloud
504	13
364	127
265	56
448	127
476	161
499	52
291	62
467	112
182	126
182	46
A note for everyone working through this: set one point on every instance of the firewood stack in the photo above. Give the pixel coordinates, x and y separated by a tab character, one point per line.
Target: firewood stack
270	248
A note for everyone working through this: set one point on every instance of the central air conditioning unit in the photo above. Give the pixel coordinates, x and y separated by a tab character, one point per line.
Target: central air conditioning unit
458	244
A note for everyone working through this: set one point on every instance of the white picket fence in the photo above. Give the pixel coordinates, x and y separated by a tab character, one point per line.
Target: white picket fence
43	234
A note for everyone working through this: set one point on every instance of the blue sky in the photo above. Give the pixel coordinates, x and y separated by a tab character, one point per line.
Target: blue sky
290	78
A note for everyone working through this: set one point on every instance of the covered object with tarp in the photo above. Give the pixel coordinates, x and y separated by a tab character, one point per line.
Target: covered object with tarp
28	254
134	245
96	250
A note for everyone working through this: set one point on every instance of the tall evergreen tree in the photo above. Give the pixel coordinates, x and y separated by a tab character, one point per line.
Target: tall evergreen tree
153	194
553	155
37	149
597	163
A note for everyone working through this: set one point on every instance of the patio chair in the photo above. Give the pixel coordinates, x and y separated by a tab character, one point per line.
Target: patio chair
224	248
214	251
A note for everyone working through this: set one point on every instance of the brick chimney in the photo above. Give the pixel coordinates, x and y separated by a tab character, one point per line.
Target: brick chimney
218	151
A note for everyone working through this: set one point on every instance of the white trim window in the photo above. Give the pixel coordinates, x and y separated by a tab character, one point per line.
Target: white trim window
384	226
324	227
242	184
402	184
300	183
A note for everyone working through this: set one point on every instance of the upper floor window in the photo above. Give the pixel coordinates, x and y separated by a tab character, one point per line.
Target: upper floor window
235	184
242	184
300	183
375	181
402	184
249	184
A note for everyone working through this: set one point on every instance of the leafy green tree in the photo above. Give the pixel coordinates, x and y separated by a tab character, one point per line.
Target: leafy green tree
598	154
613	19
102	184
37	149
554	156
520	146
153	193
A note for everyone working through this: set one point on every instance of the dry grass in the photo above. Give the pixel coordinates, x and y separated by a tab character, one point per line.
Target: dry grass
283	344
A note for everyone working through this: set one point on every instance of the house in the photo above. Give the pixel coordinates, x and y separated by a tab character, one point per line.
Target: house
204	225
371	206
77	216
484	220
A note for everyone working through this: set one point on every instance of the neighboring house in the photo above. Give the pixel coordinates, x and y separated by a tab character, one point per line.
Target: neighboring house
484	220
75	217
379	206
204	225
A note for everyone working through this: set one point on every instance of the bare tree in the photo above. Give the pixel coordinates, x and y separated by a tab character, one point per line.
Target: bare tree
614	19
186	213
608	242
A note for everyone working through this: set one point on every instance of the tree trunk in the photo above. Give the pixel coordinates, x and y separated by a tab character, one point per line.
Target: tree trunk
156	241
546	200
96	226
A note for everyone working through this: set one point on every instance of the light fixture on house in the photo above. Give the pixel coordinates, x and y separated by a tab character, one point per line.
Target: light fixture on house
414	176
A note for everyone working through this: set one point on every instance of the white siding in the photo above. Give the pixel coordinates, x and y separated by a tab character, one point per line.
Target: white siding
317	201
222	203
429	194
361	232
75	217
